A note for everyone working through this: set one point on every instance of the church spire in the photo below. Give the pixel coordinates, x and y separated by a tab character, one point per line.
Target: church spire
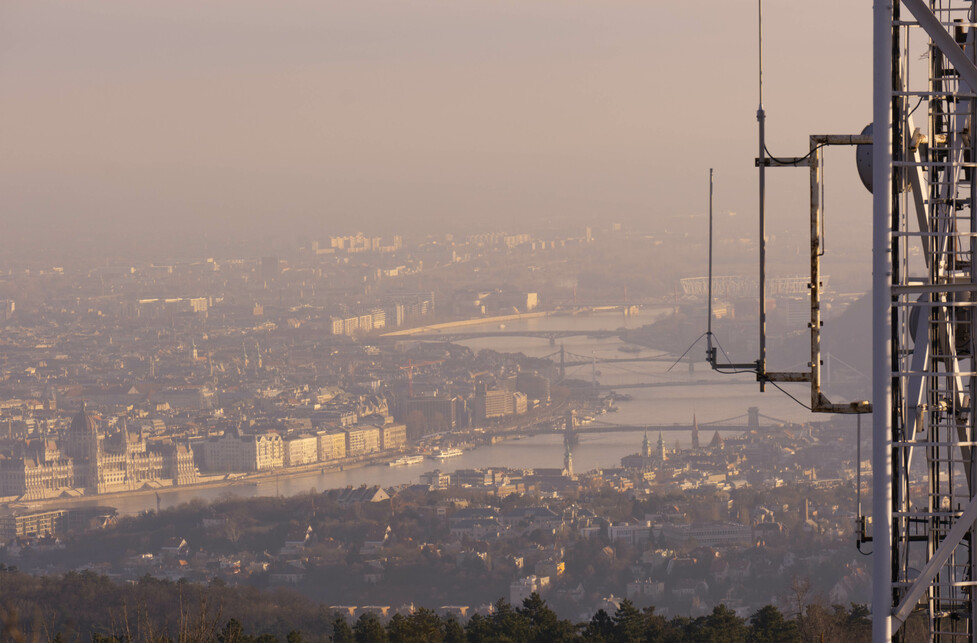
695	432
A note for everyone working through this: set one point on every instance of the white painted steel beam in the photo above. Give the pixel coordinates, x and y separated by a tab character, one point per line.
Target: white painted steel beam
932	568
882	596
944	42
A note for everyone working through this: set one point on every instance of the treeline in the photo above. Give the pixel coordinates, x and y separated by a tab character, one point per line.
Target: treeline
534	622
87	606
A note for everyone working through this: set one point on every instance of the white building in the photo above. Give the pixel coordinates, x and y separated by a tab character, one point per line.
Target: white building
631	534
234	452
331	444
301	449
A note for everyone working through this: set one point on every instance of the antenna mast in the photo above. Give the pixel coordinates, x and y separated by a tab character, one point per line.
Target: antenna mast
709	349
762	155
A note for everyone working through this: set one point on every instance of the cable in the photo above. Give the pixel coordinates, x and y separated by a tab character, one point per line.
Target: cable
726	355
858	485
918	103
821	207
776	386
792	161
686	352
755	372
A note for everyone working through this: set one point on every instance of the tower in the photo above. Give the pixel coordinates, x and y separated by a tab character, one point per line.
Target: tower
695	433
568	460
660	448
920	168
646	447
569	434
753	421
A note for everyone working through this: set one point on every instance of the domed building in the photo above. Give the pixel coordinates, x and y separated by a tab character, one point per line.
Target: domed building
81	444
94	463
83	423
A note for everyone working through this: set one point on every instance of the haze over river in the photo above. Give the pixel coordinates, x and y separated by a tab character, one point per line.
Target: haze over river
663	405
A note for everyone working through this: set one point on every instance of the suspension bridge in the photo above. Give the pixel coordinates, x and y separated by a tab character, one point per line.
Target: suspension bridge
749	421
551	335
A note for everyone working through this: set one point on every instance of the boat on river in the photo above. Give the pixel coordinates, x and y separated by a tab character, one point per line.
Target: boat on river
443	454
406	461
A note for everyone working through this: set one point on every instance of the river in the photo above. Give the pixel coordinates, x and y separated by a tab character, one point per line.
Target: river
674	404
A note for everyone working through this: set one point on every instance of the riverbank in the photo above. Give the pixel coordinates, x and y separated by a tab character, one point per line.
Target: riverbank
267	482
466	322
228	481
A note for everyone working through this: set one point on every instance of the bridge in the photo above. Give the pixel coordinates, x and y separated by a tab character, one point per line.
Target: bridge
664	383
600	427
582	361
736	424
552	335
656	379
746	285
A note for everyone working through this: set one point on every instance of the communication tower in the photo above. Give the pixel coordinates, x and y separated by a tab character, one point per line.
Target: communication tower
924	283
919	158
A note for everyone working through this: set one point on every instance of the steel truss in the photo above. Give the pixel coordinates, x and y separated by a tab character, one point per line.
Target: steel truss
925	389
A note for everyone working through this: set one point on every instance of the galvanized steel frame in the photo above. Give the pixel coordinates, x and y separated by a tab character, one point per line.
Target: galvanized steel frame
924	388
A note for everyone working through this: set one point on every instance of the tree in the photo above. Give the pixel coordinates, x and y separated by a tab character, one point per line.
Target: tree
233	632
768	625
368	629
424	626
341	631
398	629
859	621
722	626
544	624
628	623
478	629
600	628
508	624
453	631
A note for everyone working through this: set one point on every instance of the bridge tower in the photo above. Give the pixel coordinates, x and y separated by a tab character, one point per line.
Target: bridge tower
568	460
753	418
570	436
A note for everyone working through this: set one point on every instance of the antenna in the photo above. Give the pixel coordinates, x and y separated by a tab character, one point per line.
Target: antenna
709	350
761	117
813	161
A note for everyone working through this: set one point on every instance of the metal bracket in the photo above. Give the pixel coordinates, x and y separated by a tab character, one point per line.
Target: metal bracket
819	403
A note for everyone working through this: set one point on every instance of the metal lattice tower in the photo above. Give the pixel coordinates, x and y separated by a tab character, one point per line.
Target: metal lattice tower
924	372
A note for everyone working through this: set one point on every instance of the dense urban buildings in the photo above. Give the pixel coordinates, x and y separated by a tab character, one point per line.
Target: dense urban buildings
127	381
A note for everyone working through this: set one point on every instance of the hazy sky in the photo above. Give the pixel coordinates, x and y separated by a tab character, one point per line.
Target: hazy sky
139	120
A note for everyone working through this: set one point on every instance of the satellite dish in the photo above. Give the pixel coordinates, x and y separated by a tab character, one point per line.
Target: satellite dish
960	319
863	159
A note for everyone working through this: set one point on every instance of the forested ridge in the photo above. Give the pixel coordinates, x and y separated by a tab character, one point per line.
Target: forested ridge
85	606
